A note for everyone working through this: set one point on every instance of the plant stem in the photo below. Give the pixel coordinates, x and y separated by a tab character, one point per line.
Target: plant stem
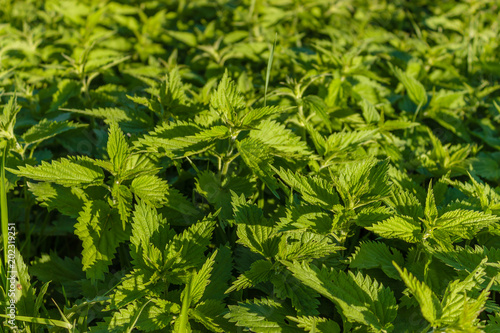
3	205
229	155
183	317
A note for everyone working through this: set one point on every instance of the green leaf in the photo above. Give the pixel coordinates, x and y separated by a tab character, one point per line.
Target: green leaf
464	223
65	172
111	115
305	245
182	36
25	294
54	196
318	106
227	100
209	314
406	203
260	271
401	227
100	229
430	211
466	259
199	281
429	303
316	324
253	230
151	189
181	139
364	182
150	235
186	250
309	217
172	90
414	88
261	316
67	272
8	118
259	161
65	90
314	190
117	147
360	299
221	275
341	142
370	255
217	191
254	116
42	321
281	141
46	129
370	114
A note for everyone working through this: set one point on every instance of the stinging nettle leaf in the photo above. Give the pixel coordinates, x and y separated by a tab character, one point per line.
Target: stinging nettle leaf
360	299
429	303
65	172
414	88
117	147
377	255
100	229
46	129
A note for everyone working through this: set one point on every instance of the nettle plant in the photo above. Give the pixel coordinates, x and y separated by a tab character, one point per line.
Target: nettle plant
288	234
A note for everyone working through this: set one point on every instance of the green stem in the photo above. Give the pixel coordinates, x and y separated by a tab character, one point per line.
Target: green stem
183	317
3	205
229	158
415	117
302	120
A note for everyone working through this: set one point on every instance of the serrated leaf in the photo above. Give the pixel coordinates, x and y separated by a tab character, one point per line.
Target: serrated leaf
122	200
54	196
401	227
186	250
217	191
111	115
406	203
117	147
182	139
370	114
199	281
150	235
430	211
65	271
259	161
414	88
316	324
260	271
304	245
363	182
318	106
209	314
464	223
65	172
46	129
377	255
314	190
65	90
254	116
261	316
227	100
360	299
100	229
221	275
281	141
429	303
150	188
